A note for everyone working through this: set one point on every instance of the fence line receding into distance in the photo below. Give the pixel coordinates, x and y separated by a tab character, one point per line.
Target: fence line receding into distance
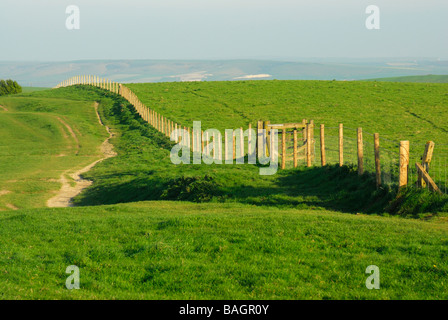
391	162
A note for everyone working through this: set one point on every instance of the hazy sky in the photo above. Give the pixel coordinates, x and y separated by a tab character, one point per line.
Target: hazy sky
221	29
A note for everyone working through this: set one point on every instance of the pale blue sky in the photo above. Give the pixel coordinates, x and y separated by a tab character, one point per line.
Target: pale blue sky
221	29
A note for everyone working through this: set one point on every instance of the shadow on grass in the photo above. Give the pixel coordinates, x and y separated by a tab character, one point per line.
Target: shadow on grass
128	190
330	187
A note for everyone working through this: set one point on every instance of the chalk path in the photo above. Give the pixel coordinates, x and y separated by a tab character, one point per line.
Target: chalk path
67	192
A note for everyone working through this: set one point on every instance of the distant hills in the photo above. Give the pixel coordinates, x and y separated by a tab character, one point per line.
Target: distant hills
48	74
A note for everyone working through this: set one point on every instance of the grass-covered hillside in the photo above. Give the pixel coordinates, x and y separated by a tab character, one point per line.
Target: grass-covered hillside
43	137
304	233
174	250
398	111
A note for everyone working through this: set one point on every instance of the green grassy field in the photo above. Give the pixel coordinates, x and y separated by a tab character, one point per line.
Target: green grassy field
33	89
173	250
143	171
397	111
37	145
305	233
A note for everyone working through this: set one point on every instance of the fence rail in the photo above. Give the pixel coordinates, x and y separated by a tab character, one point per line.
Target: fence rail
393	162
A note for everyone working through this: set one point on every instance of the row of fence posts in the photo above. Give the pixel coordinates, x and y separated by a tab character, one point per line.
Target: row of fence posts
308	138
262	143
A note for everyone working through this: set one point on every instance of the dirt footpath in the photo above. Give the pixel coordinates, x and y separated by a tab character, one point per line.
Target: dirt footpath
67	192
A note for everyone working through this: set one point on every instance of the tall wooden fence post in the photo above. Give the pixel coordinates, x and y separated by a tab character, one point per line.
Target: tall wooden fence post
360	153
241	143
341	144
283	149
202	142
304	122
313	147
404	164
234	146
376	140
249	142
260	139
308	145
426	160
226	146
323	159
219	147
266	145
294	156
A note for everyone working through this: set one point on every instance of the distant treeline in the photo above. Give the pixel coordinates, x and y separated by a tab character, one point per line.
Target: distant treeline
9	87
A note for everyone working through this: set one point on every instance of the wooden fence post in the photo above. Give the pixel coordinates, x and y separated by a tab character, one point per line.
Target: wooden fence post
188	139
266	145
431	184
202	141
283	149
241	142
360	153
294	156
260	141
426	160
198	141
219	146
308	145
163	124
207	139
234	145
304	135
226	146
312	139
376	138
249	141
341	144
323	158
404	164
193	142
167	128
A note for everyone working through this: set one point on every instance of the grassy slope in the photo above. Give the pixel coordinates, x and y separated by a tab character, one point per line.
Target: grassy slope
33	89
143	171
398	111
37	148
168	250
182	250
424	79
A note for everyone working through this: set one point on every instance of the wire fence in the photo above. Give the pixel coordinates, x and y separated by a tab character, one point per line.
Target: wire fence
389	155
